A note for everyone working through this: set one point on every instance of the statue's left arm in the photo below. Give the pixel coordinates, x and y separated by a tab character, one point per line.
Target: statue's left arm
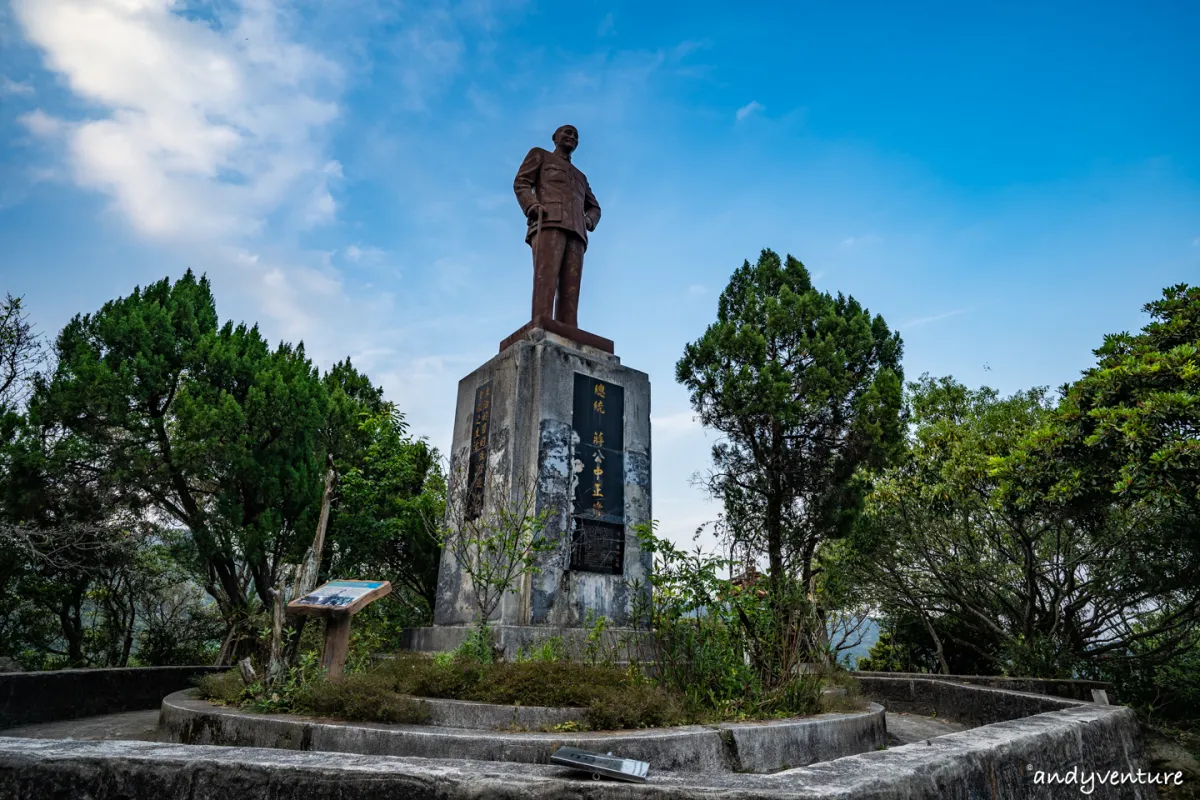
591	209
526	179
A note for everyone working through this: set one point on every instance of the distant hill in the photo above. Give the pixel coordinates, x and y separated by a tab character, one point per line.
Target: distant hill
870	636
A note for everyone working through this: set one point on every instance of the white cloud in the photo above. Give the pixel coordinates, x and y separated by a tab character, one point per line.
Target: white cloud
912	323
41	124
9	86
676	425
753	107
607	26
202	131
1196	242
355	254
428	53
696	289
295	301
859	241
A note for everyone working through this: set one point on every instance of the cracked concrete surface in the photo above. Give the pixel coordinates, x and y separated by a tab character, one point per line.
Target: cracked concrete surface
139	726
908	728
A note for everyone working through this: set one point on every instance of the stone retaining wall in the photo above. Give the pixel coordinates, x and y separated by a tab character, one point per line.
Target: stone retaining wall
617	643
488	716
1071	689
27	697
970	705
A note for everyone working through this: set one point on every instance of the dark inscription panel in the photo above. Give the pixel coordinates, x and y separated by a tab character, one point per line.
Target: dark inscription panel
599	423
477	465
598	546
598	541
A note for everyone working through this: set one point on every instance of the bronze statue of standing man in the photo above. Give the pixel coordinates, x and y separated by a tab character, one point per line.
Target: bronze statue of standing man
561	209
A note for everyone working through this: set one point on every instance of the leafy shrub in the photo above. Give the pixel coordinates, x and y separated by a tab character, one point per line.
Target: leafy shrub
549	650
362	697
477	646
222	687
634	706
731	651
179	627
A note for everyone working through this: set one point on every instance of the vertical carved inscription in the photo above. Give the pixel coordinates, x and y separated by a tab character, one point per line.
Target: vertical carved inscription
598	541
477	464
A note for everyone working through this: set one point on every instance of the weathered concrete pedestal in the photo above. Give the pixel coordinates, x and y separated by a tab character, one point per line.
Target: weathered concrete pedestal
567	421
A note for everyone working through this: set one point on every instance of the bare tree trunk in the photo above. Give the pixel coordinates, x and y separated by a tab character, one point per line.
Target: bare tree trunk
276	666
127	646
304	581
306	578
937	642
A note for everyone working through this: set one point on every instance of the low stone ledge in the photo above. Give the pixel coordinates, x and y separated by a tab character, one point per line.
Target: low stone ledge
29	697
998	762
748	747
775	745
489	716
970	705
511	638
1070	689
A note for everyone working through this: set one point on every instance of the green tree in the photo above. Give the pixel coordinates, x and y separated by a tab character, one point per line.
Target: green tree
62	533
156	411
1024	586
387	490
805	391
1128	431
1121	452
205	425
21	354
61	536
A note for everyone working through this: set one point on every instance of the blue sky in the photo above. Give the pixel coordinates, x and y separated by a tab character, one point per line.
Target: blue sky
1004	184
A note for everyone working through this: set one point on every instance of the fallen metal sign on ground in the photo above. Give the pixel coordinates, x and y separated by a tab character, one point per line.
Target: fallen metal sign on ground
601	765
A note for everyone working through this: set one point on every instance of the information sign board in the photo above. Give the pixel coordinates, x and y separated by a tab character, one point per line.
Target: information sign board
340	597
608	766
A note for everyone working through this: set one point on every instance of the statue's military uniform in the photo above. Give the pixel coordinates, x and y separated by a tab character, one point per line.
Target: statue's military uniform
561	188
571	209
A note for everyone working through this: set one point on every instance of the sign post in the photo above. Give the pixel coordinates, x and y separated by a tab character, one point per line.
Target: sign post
337	602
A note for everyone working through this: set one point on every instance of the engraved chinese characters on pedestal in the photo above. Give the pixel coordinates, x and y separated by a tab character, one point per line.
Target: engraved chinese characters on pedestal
598	539
477	465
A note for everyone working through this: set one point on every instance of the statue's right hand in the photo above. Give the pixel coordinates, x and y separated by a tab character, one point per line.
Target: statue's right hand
532	211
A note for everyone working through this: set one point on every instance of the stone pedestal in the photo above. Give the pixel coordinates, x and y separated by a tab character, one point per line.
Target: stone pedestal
568	421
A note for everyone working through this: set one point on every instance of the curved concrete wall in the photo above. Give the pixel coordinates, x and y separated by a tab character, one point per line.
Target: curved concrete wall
1071	689
971	705
741	747
488	716
27	697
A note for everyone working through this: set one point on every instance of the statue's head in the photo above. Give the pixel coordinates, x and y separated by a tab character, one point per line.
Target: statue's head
566	138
